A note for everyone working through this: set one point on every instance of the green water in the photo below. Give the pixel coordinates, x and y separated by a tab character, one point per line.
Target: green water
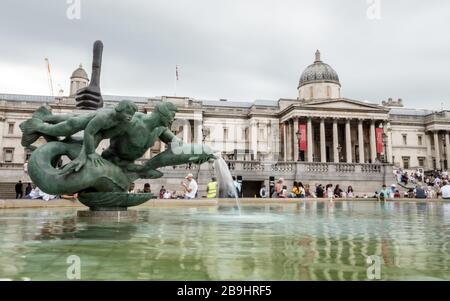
307	241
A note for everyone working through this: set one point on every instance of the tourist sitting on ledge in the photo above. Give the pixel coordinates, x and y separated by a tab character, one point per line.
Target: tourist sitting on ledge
419	192
37	194
296	191
284	192
72	197
337	191
319	191
308	192
263	192
167	195
445	190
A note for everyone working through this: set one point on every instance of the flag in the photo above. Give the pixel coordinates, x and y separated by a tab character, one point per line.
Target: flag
302	139
379	140
176	72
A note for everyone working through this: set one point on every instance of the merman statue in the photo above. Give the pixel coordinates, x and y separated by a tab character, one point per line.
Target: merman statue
102	181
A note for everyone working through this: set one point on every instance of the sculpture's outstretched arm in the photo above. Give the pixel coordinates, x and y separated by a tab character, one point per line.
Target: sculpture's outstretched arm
176	154
169	138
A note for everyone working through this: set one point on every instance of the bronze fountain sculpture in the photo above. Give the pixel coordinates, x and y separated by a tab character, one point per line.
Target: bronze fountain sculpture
102	181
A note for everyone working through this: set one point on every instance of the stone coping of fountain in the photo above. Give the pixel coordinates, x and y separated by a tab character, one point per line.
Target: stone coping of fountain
60	203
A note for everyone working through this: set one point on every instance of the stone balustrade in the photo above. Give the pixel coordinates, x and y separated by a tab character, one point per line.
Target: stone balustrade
291	167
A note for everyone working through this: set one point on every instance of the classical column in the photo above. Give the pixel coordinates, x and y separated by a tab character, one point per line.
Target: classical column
289	139
361	141
309	139
295	140
447	148
254	138
323	153
186	131
284	142
389	143
2	122
437	150
335	141
429	152
198	131
373	146
348	141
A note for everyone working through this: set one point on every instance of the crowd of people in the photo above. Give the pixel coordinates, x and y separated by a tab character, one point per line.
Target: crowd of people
32	192
432	186
416	184
298	190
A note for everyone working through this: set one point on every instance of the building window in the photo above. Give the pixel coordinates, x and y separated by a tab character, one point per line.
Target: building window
421	161
261	134
27	154
206	131
311	92
225	134
405	162
419	140
10	128
245	134
8	154
405	139
328	91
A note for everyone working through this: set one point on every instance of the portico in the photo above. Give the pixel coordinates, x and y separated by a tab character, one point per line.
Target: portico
337	131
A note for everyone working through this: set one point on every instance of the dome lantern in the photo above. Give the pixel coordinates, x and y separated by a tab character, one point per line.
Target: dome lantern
319	81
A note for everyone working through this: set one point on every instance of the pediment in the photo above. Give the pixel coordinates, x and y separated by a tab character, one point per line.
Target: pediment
345	104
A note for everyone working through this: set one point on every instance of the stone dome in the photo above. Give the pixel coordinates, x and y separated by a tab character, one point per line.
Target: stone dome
80	73
318	72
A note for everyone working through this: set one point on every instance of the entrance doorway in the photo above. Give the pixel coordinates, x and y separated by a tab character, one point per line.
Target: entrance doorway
251	188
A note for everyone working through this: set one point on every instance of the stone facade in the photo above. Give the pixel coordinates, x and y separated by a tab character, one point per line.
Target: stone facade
260	138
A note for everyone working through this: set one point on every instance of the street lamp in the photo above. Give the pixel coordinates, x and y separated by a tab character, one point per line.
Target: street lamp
384	138
339	149
299	138
442	157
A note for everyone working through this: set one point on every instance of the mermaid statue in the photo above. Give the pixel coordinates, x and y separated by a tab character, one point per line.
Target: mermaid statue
102	181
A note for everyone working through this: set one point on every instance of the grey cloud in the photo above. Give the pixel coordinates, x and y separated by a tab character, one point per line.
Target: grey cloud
241	50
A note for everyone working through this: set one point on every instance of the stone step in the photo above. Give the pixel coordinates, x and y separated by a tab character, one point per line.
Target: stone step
7	191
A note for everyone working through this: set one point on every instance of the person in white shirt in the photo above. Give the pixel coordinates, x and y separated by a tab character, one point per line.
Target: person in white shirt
190	188
445	190
437	181
263	192
167	195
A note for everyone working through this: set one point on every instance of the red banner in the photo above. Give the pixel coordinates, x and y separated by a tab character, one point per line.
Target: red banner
302	140
379	137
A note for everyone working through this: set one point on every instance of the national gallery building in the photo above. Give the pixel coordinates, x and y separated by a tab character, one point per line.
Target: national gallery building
318	136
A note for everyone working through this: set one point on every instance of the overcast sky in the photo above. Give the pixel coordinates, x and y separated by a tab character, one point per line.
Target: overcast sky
235	49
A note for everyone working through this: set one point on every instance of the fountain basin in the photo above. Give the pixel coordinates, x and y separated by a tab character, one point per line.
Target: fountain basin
293	240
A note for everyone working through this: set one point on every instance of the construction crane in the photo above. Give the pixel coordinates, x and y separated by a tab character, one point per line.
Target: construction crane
49	73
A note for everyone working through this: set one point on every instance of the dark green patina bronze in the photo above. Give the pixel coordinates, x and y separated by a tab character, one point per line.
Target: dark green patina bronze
102	181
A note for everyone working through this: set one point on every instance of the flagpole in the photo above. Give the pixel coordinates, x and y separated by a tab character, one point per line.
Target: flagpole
176	79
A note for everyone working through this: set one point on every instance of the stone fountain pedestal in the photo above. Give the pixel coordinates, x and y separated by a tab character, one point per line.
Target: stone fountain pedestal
110	215
111	205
